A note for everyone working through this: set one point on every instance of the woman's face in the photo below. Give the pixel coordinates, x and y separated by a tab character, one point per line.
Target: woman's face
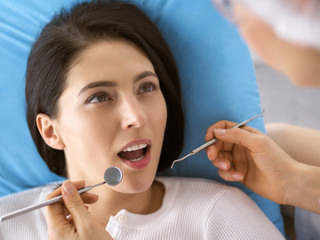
112	113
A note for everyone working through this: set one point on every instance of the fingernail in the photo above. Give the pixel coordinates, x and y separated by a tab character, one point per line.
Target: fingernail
237	176
223	165
219	131
68	188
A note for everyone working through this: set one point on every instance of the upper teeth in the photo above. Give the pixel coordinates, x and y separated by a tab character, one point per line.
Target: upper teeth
135	147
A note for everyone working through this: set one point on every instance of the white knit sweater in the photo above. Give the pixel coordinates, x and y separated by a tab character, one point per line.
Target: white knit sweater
191	209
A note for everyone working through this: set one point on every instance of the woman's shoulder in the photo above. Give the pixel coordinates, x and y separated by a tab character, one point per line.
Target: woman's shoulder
211	195
208	192
31	225
205	191
26	197
198	185
217	206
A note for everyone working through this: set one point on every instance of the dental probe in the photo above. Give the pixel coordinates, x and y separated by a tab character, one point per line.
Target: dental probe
112	176
213	140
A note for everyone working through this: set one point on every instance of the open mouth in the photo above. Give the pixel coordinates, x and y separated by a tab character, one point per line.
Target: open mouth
134	153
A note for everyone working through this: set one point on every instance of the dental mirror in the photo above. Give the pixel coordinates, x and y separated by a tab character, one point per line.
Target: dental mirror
112	177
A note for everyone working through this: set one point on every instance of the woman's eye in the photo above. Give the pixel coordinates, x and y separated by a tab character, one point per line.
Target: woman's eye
148	87
98	98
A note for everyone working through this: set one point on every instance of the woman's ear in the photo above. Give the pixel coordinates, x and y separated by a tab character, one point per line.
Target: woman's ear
49	132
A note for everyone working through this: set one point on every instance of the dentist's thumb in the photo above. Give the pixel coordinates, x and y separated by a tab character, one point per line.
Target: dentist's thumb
74	203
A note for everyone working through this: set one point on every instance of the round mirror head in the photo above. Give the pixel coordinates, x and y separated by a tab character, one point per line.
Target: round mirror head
113	176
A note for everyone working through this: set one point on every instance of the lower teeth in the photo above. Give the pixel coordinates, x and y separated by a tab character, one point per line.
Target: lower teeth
137	159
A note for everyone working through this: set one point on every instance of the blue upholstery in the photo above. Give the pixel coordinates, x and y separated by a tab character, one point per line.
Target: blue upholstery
217	78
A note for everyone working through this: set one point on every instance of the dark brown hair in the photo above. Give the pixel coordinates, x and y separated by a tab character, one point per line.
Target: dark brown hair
72	31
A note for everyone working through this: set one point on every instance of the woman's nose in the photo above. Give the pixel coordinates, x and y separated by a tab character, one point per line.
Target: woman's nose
132	114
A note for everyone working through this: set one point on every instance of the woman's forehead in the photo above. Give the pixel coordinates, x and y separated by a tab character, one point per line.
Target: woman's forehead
109	61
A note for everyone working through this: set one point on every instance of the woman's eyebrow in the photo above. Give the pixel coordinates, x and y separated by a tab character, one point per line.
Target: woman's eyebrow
143	75
113	84
97	84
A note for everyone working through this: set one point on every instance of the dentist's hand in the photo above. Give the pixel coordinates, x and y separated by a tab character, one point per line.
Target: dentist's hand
249	156
80	224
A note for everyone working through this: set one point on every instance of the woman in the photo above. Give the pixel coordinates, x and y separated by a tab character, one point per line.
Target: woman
102	90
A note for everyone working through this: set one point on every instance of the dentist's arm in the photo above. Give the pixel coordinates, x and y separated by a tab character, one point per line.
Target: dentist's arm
301	143
249	156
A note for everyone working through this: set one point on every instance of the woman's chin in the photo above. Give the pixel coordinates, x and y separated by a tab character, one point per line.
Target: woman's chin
135	185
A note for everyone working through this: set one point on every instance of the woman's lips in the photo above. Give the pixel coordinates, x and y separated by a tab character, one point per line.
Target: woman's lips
140	162
136	158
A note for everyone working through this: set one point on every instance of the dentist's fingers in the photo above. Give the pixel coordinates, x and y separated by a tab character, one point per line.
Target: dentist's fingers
222	163
223	160
58	210
230	175
74	204
57	191
214	149
246	136
225	168
221	127
85	226
86	197
70	218
80	225
226	125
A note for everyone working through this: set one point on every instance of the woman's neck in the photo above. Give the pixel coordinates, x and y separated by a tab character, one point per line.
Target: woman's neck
111	202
